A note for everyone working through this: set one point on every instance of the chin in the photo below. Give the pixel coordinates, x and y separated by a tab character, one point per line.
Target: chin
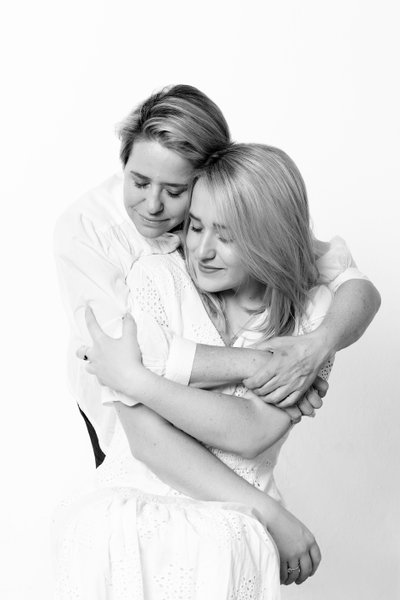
210	287
149	232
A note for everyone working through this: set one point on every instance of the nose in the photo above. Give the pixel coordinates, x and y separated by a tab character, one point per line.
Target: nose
154	202
206	249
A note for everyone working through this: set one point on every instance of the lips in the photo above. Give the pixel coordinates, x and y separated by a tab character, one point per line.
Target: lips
208	269
152	222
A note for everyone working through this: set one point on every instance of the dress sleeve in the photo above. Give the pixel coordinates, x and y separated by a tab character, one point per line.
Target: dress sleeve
336	264
163	352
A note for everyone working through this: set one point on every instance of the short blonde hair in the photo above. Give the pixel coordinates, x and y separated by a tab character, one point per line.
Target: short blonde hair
261	198
182	119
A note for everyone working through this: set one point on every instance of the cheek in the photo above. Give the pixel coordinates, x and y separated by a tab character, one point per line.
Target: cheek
190	242
177	208
230	257
132	195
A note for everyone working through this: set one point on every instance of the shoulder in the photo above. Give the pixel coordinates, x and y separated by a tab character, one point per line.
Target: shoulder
160	268
99	208
335	253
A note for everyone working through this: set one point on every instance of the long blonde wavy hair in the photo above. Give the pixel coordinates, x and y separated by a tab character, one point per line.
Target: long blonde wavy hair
260	197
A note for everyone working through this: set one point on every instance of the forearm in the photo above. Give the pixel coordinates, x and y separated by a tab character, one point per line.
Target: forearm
220	365
244	425
184	464
354	305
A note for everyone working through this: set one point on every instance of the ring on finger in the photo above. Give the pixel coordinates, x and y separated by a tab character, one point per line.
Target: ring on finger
293	569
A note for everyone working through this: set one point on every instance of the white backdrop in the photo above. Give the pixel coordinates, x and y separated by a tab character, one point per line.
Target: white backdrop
318	79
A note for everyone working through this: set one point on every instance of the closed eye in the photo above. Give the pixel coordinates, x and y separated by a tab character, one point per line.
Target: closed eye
224	240
139	185
193	227
174	194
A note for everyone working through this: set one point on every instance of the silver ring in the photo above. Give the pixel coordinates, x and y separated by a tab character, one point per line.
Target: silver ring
290	570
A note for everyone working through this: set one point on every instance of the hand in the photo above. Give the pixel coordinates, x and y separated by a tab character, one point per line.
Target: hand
112	361
296	545
311	400
291	371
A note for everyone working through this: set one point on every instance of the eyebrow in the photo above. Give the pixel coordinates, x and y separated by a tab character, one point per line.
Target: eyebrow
217	225
183	186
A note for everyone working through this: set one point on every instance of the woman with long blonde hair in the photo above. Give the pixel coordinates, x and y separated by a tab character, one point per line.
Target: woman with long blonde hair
154	529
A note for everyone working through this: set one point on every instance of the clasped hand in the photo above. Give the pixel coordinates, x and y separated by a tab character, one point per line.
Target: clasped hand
290	378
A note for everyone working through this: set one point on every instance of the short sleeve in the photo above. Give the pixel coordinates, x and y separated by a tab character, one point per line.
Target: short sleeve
154	342
163	352
336	265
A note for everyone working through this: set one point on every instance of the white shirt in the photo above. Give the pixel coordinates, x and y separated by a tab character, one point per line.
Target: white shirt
96	245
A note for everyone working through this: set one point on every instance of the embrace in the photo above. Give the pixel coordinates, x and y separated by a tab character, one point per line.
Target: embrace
205	319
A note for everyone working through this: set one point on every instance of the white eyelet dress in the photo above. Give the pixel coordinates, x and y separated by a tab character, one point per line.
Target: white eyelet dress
129	536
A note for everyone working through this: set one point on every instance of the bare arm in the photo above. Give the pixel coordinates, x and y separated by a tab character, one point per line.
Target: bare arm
291	364
297	360
183	463
245	425
242	425
354	305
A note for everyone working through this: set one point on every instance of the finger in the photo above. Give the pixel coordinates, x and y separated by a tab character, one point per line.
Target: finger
292	572
129	325
314	399
263	383
83	352
283	572
290	400
305	568
306	407
321	386
91	368
315	554
294	413
96	332
280	396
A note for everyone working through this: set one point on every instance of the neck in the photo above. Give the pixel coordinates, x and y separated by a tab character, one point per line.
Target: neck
240	306
248	297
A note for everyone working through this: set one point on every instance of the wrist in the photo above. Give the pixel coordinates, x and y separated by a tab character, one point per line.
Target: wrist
255	361
133	380
267	511
324	342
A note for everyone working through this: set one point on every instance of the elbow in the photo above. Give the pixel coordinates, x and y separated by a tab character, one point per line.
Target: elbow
251	447
378	300
374	299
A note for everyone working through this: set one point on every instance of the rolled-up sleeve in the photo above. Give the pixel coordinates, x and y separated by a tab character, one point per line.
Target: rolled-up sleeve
336	266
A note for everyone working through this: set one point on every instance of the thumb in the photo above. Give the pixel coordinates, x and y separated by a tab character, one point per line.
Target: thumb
129	325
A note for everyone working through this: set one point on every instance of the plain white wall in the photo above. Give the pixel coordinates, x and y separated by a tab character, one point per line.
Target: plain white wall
319	80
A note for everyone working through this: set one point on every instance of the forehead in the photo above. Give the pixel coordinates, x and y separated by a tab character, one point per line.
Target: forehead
203	202
152	160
